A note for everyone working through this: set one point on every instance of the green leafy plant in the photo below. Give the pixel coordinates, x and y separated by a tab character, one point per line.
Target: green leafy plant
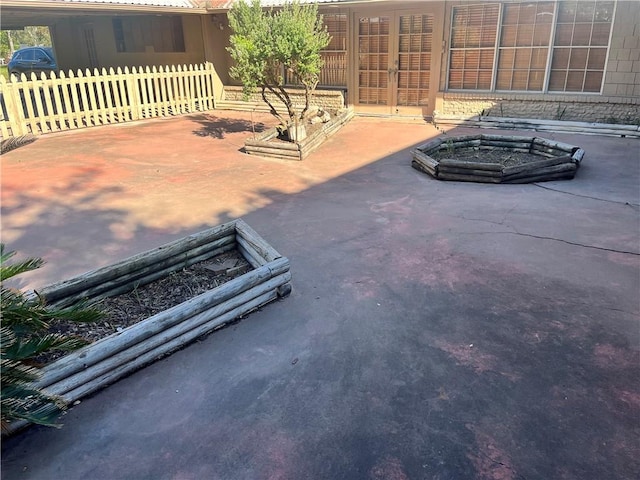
24	335
266	43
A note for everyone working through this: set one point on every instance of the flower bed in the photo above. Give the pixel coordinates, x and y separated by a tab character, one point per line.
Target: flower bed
557	160
268	144
105	361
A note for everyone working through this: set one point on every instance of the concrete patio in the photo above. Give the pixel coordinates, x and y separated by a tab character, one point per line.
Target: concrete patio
435	330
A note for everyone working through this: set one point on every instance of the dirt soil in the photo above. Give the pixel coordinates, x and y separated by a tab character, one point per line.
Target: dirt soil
503	156
127	309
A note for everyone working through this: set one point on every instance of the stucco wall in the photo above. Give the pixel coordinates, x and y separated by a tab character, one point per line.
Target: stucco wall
72	54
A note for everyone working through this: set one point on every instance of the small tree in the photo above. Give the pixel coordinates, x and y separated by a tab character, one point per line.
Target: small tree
265	44
24	335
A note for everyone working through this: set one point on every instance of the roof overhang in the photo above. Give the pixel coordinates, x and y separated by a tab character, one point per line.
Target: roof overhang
17	14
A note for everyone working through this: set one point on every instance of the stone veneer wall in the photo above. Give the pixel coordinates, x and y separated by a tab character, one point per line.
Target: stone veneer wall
327	99
582	108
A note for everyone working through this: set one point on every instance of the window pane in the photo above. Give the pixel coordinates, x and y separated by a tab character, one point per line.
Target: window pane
593	81
519	81
604	12
486	59
457	60
473	38
539	58
560	58
508	37
578	59
484	80
529	25
581	25
574	81
525	36
523	58
557	80
567	12
584	11
506	59
581	34
597	56
536	80
564	34
503	81
600	34
541	35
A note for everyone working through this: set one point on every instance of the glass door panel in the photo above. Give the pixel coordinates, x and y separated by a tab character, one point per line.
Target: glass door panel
373	65
415	36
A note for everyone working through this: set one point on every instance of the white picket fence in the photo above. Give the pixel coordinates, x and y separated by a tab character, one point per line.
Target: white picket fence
70	101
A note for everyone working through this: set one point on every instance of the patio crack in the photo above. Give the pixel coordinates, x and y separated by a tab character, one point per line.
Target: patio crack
577	244
542	237
633	205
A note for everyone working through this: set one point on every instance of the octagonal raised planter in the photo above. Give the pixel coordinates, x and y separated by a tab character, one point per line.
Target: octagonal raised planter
268	145
103	362
558	161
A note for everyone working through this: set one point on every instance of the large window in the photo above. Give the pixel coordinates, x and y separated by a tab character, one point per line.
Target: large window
580	47
524	46
507	48
473	43
138	34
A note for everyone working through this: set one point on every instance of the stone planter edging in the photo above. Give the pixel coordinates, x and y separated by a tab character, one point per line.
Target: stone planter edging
558	161
105	361
299	150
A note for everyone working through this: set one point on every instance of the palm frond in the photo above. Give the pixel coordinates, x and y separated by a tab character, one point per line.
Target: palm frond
37	345
11	270
24	335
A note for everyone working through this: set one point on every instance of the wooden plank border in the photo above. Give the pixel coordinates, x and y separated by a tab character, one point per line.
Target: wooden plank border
105	361
262	145
557	160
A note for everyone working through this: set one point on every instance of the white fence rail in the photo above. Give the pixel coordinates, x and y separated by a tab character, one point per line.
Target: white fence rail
70	101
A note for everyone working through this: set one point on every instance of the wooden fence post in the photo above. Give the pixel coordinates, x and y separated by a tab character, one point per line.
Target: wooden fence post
133	92
15	112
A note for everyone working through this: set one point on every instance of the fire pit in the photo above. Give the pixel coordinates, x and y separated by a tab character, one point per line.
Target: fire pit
497	159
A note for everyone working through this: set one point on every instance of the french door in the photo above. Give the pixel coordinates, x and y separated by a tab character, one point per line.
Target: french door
394	62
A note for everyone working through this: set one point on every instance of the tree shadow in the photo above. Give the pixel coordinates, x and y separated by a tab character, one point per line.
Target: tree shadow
218	127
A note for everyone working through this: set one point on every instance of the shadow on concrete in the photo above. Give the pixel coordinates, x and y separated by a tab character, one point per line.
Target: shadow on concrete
218	127
436	330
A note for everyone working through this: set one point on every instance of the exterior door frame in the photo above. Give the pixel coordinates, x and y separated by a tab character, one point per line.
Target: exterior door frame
392	108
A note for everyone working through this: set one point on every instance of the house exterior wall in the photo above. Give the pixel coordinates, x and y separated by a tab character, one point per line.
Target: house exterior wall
618	102
206	37
71	52
215	31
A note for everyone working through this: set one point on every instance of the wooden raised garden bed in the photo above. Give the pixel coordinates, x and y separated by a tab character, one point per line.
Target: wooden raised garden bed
497	159
103	362
269	145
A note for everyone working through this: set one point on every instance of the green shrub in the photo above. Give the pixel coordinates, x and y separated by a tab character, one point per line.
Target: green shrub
265	44
24	335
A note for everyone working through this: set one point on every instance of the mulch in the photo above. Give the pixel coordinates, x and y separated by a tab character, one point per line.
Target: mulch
504	156
127	309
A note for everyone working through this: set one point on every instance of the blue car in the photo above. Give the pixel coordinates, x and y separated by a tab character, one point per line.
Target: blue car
32	59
